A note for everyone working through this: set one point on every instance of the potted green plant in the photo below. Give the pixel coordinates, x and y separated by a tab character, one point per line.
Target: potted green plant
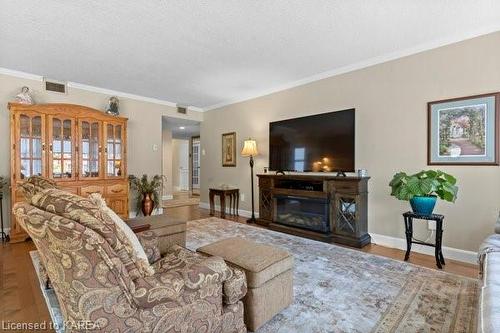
3	186
422	189
148	192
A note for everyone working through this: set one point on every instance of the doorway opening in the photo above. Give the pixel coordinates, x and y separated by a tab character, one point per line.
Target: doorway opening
181	162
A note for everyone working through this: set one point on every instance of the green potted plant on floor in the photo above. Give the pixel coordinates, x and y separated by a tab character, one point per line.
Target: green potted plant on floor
148	192
422	189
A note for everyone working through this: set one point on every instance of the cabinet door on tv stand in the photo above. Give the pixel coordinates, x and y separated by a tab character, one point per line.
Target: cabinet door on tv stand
266	205
345	214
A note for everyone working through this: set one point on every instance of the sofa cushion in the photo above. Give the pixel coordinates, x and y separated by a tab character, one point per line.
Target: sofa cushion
260	262
35	184
489	303
99	201
87	213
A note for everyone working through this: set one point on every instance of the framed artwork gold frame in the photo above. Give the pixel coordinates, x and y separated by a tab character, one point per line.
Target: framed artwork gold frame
229	149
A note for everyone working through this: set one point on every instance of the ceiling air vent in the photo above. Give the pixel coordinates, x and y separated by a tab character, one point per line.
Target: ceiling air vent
55	86
181	109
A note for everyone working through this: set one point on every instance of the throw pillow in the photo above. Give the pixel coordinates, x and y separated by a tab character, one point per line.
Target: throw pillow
99	201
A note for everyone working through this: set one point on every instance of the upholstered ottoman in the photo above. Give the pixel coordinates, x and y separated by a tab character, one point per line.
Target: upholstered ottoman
169	230
269	273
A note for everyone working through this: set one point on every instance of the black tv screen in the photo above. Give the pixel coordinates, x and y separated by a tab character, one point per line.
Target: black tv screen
319	143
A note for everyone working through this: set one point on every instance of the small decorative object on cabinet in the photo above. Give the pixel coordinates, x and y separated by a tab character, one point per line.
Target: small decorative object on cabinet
148	193
113	106
82	149
423	188
3	186
24	97
229	149
464	131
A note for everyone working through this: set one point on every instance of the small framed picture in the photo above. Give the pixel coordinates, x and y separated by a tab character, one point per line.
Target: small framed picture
229	149
463	131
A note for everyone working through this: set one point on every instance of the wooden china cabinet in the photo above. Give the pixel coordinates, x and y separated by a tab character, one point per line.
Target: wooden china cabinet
84	150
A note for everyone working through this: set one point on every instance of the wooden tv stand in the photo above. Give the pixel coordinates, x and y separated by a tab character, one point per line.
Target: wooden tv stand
322	207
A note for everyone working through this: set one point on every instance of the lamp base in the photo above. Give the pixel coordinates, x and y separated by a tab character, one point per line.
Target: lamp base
252	220
4	237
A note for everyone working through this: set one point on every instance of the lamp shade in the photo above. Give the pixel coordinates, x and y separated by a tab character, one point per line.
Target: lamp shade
249	148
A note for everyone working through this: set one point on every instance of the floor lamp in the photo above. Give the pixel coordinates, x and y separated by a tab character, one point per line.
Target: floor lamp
250	150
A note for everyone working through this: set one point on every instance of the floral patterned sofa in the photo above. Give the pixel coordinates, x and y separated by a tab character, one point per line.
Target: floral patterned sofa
101	284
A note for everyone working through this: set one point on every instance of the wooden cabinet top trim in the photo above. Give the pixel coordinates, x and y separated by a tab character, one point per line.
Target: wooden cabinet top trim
78	111
313	177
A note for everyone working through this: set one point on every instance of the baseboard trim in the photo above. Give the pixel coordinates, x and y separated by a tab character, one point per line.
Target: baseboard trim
242	212
448	252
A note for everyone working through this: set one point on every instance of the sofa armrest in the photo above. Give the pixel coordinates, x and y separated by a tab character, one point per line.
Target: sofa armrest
497	225
183	285
150	243
235	287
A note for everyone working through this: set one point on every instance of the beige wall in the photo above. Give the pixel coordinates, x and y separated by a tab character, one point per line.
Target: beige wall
180	160
144	128
167	161
390	101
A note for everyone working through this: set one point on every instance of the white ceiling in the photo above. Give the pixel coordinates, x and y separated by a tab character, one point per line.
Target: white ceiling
213	52
181	128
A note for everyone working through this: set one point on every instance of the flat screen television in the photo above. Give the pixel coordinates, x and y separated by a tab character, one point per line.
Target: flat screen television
318	143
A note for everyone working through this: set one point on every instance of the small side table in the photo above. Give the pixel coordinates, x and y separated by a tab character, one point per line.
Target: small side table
222	192
408	217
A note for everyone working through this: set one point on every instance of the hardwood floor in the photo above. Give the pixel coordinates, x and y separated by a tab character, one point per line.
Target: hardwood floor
21	300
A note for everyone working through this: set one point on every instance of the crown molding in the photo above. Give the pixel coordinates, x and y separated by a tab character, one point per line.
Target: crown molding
127	95
99	90
360	65
19	74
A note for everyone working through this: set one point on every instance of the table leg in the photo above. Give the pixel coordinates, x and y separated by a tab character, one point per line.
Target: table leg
237	203
223	206
409	236
233	202
439	239
212	203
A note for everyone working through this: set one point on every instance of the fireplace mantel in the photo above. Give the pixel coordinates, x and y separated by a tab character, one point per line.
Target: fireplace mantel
322	207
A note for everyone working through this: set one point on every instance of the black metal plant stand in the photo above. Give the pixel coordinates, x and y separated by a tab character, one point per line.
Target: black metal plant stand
3	235
409	216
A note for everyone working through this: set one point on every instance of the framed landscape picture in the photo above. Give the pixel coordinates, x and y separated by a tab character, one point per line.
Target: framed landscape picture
229	149
463	131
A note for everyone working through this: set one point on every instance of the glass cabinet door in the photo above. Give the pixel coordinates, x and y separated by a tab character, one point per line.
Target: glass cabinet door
90	149
61	150
114	136
30	146
346	219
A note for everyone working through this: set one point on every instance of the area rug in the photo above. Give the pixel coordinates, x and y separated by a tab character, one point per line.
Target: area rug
347	291
343	290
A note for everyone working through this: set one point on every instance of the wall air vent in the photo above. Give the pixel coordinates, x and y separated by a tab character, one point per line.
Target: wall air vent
55	86
181	109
